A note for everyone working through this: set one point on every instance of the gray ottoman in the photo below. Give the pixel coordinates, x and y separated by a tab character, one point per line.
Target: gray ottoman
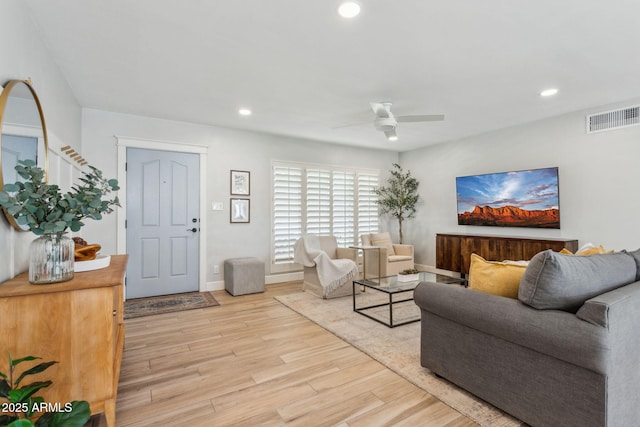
243	276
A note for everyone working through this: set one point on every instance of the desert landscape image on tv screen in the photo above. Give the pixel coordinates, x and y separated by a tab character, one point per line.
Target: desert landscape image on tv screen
526	198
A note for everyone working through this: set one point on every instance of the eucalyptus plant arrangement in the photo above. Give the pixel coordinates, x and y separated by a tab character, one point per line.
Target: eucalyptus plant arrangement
400	198
42	207
21	406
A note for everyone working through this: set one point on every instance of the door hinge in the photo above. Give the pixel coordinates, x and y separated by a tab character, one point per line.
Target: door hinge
126	165
125	223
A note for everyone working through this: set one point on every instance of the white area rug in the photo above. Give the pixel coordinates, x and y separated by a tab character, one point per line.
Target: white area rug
397	348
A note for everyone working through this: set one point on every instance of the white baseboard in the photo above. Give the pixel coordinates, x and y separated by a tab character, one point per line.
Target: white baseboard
281	278
218	285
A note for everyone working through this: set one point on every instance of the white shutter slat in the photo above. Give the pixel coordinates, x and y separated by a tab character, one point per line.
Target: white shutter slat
287	212
367	205
344	208
318	190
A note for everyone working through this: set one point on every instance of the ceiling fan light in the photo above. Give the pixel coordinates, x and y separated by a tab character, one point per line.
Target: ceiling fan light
349	9
385	123
391	134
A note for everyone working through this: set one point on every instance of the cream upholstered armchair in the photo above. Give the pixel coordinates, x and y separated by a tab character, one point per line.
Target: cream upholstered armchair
393	257
329	245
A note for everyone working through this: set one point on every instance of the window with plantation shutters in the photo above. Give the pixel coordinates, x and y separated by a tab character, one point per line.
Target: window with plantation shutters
344	207
367	206
287	212
320	200
318	213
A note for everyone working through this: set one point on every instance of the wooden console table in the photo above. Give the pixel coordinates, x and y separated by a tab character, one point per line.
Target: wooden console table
78	323
453	251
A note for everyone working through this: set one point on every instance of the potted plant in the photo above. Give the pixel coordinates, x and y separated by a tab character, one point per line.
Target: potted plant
399	199
409	275
45	211
22	406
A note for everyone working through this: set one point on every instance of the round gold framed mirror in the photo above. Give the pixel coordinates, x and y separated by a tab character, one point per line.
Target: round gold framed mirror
23	133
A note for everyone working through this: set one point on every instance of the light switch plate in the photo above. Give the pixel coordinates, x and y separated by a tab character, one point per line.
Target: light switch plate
217	206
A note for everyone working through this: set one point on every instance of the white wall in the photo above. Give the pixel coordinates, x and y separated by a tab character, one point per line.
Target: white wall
598	173
25	55
227	149
599	176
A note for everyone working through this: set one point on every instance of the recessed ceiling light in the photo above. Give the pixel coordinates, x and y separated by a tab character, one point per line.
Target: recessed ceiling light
549	92
244	112
349	9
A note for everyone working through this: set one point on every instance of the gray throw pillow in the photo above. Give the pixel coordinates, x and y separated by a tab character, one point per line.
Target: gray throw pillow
564	282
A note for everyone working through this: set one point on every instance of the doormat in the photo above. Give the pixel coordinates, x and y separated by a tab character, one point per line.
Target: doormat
148	306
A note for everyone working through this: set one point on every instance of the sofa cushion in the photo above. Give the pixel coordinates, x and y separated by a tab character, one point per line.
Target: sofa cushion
497	278
600	309
552	332
384	240
636	256
396	258
564	282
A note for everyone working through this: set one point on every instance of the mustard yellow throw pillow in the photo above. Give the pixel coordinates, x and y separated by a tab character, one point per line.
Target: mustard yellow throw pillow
593	250
588	249
497	278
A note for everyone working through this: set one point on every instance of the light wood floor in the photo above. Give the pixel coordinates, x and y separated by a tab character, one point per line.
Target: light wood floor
254	362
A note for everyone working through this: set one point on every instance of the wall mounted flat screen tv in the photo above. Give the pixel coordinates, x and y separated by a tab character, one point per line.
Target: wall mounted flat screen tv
526	198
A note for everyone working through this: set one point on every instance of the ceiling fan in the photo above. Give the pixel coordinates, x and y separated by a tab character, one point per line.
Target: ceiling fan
386	122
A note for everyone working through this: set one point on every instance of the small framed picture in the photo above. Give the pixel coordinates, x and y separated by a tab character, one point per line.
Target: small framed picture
240	183
240	210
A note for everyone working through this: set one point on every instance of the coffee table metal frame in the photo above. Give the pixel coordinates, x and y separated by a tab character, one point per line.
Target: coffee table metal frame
391	286
364	249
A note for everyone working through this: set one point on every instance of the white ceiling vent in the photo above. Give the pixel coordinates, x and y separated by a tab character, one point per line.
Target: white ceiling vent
615	119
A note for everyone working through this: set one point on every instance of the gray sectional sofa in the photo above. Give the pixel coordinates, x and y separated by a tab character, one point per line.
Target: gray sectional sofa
565	353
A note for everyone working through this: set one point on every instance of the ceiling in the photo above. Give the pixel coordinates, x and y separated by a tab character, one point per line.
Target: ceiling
306	72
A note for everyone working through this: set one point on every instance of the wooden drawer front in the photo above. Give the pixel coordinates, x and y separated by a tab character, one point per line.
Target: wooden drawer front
448	252
74	328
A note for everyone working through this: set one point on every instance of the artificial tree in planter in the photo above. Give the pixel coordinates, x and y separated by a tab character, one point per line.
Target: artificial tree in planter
399	199
48	213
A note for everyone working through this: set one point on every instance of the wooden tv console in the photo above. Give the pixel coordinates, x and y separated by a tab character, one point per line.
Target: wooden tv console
78	323
453	250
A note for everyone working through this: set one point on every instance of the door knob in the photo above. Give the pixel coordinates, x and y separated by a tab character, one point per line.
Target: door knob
193	230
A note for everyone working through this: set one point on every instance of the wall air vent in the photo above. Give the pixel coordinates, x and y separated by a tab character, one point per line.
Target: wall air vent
615	119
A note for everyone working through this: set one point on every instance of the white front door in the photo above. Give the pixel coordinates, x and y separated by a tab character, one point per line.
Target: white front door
163	228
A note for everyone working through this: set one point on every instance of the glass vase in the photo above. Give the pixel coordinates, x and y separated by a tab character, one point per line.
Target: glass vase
51	259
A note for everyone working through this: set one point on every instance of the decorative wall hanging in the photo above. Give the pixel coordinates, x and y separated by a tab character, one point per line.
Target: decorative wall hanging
240	183
240	210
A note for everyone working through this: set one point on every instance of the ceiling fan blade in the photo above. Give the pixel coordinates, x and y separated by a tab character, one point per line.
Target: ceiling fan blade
391	134
381	108
350	125
421	118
